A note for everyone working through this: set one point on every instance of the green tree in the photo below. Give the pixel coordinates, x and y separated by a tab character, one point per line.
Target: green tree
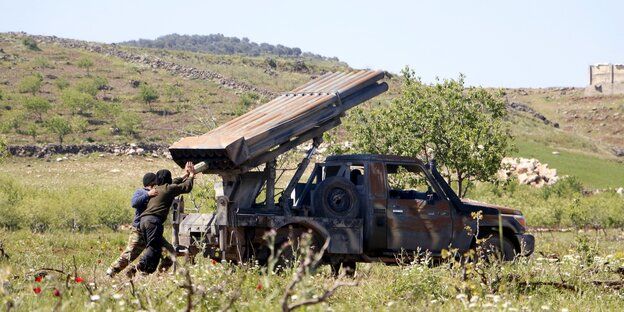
60	127
462	128
30	84
76	101
37	106
147	95
31	44
86	63
128	124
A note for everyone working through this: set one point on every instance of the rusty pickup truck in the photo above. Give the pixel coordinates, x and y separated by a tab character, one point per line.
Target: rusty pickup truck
366	208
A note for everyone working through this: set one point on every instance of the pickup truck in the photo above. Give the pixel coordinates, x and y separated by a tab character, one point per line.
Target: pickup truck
363	208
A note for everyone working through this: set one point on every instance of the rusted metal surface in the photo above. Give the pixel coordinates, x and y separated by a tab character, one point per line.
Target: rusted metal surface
292	115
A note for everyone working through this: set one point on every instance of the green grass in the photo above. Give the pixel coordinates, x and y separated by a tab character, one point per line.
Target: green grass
576	261
593	170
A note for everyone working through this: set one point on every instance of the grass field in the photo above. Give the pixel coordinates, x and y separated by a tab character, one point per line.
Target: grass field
569	272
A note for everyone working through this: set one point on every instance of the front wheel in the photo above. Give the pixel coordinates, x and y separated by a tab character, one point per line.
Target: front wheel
491	249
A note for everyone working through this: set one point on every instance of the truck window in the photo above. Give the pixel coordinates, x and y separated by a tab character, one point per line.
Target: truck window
408	182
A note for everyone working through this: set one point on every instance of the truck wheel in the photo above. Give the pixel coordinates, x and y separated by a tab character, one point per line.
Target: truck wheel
348	267
491	249
337	197
287	247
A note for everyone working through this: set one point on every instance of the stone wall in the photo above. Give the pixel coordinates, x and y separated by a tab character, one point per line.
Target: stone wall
46	151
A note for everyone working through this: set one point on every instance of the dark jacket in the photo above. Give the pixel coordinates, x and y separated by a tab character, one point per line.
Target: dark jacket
159	205
139	202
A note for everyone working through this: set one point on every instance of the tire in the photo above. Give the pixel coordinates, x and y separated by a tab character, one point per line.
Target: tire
336	197
287	242
348	267
490	249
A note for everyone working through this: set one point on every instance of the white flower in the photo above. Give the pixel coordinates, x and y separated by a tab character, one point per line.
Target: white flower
545	308
95	297
117	296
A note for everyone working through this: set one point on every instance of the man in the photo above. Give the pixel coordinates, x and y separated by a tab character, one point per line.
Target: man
152	219
136	241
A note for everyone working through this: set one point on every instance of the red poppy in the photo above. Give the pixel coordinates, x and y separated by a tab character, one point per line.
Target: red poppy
38	279
214	262
78	280
37	290
56	292
259	286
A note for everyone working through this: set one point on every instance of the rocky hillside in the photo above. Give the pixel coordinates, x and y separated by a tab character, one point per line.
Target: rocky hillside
55	90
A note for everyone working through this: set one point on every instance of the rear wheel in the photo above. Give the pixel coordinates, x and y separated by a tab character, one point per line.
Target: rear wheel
292	244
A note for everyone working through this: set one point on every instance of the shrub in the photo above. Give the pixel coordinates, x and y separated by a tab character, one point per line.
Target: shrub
128	123
60	127
147	95
37	106
31	44
77	102
30	84
4	153
85	63
61	83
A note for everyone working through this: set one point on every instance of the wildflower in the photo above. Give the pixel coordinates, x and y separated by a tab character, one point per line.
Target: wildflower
56	292
214	262
117	296
78	280
95	298
38	279
37	290
259	286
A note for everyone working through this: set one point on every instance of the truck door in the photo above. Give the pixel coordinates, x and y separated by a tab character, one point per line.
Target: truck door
417	216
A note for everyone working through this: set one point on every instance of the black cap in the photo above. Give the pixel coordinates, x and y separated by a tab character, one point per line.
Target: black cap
149	179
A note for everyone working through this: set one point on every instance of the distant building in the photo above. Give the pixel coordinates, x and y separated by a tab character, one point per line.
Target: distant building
605	79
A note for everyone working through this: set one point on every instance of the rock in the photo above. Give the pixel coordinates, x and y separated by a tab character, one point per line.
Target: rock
115	170
59	159
620	191
556	153
527	171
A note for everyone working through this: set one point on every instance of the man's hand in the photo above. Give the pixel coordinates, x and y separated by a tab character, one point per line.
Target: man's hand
152	192
190	169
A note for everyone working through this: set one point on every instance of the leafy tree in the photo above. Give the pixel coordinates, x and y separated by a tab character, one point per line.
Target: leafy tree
128	124
60	127
462	128
85	63
147	95
77	102
31	44
37	106
30	84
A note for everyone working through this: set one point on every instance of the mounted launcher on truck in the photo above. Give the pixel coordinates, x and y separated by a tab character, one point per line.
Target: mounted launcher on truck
354	201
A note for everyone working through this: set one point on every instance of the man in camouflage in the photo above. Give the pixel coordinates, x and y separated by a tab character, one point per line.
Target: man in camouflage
136	241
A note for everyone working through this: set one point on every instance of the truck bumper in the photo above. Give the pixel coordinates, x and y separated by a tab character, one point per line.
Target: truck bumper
527	244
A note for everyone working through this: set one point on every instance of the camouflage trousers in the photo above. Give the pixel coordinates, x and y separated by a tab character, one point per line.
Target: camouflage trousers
136	245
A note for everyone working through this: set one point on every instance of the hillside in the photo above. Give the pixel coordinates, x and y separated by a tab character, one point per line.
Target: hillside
53	88
95	88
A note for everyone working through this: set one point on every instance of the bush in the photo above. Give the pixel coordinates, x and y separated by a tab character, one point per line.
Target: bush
60	127
4	152
77	102
37	106
61	83
86	63
31	44
30	84
147	95
128	123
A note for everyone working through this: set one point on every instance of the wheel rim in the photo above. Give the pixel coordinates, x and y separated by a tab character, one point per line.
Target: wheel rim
338	200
